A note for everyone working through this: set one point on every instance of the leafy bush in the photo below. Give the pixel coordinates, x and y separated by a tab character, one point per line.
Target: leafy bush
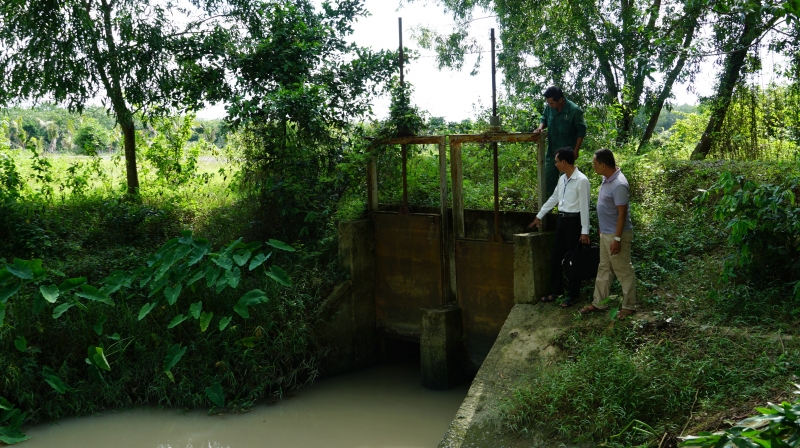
776	426
241	349
764	223
92	138
170	152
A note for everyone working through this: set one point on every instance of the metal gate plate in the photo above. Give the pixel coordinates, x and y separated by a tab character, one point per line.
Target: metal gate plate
409	273
485	282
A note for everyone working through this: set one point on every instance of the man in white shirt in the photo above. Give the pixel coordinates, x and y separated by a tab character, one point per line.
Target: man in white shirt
572	198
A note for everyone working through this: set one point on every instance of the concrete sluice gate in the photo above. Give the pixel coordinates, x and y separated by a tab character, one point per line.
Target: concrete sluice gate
444	277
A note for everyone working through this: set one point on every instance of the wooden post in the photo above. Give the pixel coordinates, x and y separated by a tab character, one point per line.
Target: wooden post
447	243
372	184
457	175
541	180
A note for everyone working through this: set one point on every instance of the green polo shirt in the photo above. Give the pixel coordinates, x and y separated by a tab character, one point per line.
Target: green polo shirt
563	129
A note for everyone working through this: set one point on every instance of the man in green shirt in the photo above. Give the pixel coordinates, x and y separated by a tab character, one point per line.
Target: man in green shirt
565	127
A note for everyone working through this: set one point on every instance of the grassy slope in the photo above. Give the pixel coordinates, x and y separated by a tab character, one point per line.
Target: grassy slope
715	352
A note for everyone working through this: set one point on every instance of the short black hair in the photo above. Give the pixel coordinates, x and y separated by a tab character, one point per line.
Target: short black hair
566	154
606	157
554	92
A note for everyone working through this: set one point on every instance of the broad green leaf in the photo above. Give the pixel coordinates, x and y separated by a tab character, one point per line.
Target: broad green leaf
156	286
253	297
195	308
174	355
61	309
223	323
169	245
202	243
92	293
258	260
172	294
279	275
228	250
211	275
145	310
205	320
11	435
222	283
38	304
9	290
215	394
115	337
9	414
133	276
5	405
280	245
114	282
98	327
248	342
242	310
223	262
4	274
233	277
146	277
21	268
21	344
56	383
197	276
100	360
71	283
197	255
49	292
242	257
186	237
177	320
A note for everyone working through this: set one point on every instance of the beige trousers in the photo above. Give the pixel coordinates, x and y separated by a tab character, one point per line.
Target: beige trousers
618	265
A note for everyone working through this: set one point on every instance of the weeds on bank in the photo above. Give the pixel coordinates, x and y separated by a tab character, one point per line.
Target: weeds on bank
658	377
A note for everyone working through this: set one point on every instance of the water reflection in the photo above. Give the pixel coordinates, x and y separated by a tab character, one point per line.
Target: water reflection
379	407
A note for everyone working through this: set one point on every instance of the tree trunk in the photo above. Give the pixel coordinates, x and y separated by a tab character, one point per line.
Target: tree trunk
732	67
129	137
666	89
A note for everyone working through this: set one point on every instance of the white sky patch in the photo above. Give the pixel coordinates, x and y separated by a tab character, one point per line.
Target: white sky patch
455	95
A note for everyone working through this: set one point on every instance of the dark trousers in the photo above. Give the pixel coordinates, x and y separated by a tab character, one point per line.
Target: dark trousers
568	233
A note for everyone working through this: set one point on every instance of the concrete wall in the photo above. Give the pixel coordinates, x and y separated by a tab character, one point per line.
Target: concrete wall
347	331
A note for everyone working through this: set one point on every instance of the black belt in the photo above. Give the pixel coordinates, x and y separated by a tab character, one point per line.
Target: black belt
569	214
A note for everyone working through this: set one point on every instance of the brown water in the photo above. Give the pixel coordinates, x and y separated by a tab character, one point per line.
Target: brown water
384	406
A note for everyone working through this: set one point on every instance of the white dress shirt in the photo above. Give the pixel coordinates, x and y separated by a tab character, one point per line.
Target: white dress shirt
571	196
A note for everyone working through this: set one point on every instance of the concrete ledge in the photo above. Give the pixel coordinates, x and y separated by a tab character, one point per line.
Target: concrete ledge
523	348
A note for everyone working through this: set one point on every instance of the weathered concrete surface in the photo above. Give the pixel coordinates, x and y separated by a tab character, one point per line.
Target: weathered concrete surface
532	266
348	324
523	346
440	347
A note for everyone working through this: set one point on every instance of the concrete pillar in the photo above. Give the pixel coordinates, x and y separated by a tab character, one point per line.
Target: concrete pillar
532	266
440	347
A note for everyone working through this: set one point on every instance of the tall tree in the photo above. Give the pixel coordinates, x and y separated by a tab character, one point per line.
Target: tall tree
600	51
738	31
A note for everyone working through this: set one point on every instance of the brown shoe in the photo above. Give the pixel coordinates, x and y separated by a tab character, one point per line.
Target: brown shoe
589	309
624	314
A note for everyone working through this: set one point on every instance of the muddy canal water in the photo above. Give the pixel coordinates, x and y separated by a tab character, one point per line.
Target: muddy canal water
383	406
